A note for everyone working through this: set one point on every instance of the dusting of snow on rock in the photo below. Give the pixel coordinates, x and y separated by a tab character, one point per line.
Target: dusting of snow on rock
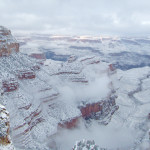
45	96
86	145
8	43
5	141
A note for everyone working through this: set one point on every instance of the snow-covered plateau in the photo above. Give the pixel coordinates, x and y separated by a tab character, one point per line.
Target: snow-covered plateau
63	89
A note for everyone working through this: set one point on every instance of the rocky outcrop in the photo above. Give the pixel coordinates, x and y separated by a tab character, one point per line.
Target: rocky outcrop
8	43
26	74
5	141
4	122
72	123
89	109
100	110
10	85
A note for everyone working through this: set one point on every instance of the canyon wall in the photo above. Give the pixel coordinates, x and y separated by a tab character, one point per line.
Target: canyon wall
8	43
36	94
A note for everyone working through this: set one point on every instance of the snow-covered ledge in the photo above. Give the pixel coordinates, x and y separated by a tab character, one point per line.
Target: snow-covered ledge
5	140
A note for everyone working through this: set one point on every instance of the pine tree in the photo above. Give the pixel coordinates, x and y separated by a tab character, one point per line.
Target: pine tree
86	145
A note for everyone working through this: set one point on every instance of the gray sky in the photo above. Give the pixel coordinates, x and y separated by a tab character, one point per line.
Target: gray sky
88	17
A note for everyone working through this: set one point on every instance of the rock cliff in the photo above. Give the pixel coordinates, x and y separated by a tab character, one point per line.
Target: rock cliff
5	141
8	43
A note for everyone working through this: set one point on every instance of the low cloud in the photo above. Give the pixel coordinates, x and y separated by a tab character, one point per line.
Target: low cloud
109	136
96	90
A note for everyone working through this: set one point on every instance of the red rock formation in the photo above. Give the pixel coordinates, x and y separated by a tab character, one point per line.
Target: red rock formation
90	60
69	124
111	67
103	108
31	121
8	43
91	108
13	46
10	85
4	31
26	74
38	56
31	125
87	59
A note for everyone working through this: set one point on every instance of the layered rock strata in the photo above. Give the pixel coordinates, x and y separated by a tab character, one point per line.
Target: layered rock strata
8	43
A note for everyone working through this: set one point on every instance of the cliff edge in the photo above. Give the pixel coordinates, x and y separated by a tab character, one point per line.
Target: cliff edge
8	43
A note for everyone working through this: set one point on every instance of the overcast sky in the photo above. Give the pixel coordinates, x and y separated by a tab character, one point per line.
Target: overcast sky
96	17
